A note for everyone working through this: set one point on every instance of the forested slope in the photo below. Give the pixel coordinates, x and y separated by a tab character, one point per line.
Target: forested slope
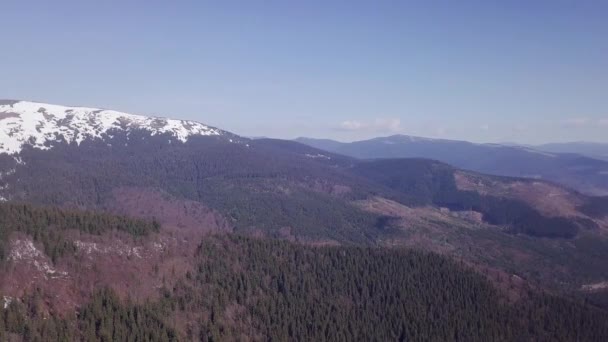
265	185
260	186
251	289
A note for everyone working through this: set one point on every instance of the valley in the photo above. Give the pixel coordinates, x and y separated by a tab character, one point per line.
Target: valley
580	172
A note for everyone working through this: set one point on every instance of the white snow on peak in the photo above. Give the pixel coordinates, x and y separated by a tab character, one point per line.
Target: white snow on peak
31	123
317	156
400	138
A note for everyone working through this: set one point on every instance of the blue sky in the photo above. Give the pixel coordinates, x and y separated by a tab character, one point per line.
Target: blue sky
489	71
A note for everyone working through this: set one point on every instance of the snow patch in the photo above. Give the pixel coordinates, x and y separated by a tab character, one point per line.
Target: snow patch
7	173
533	176
2	188
595	287
392	140
317	156
6	301
26	251
40	125
120	249
158	247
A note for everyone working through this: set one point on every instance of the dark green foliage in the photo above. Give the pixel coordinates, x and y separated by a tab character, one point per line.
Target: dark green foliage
27	320
419	181
296	293
105	318
272	205
552	318
46	225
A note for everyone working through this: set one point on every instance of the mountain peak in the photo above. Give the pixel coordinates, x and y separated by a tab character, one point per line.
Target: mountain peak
40	124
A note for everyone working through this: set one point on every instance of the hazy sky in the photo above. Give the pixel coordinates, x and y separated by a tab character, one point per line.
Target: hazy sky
525	71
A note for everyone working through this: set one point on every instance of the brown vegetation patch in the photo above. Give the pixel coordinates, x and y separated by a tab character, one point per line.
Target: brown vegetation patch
172	213
134	268
548	199
417	216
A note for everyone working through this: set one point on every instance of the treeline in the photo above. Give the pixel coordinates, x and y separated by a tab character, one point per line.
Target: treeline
426	182
46	225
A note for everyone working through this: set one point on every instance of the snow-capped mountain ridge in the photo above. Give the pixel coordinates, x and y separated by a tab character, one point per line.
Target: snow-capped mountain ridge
40	124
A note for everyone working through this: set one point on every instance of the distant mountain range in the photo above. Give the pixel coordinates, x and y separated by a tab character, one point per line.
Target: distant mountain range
590	149
580	172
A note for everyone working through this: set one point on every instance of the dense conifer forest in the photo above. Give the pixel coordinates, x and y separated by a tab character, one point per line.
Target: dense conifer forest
269	290
273	290
104	318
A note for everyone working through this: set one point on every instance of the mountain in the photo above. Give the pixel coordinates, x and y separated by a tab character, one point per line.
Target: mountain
41	125
579	172
590	149
111	216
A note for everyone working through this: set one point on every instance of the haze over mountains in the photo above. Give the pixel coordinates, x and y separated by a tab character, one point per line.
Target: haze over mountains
204	235
577	171
594	150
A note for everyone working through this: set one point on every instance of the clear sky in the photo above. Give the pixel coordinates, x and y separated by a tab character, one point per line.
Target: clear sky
491	71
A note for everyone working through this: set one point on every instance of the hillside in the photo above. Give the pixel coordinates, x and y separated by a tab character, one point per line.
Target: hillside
163	192
576	171
239	288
